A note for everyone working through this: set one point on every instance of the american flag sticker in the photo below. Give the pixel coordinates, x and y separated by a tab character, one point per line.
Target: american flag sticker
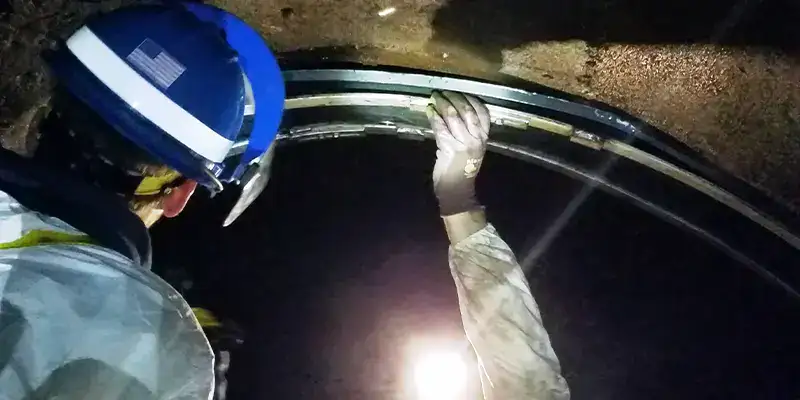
153	61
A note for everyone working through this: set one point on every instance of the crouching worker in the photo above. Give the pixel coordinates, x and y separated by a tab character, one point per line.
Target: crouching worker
148	103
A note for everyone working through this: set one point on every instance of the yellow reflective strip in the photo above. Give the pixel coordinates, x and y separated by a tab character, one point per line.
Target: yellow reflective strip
205	318
151	185
37	237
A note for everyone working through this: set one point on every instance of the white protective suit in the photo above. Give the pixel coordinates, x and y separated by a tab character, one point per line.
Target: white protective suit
80	321
503	323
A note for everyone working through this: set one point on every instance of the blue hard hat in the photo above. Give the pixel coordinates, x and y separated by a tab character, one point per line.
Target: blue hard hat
165	80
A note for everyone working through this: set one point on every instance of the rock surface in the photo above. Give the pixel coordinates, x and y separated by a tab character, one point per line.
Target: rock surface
723	76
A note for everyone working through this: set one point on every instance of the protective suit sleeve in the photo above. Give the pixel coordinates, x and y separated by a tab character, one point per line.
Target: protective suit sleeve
503	323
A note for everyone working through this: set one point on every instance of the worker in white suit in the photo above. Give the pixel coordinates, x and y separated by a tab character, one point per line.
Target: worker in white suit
81	314
131	135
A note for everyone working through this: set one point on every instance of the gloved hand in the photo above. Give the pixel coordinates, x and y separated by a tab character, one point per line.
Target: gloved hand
460	126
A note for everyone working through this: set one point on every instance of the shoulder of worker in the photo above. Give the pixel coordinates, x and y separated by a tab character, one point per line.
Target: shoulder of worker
74	311
35	196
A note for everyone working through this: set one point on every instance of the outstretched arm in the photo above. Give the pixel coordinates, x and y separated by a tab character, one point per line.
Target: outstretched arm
499	314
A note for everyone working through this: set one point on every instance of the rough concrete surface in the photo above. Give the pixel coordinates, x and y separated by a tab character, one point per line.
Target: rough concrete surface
27	29
722	76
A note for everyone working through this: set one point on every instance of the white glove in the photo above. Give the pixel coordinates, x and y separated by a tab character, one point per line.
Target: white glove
460	126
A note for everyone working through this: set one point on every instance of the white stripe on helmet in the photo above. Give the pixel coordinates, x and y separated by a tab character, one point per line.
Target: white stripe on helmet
145	98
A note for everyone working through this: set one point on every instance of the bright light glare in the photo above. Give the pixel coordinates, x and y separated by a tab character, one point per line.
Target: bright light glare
440	375
387	11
